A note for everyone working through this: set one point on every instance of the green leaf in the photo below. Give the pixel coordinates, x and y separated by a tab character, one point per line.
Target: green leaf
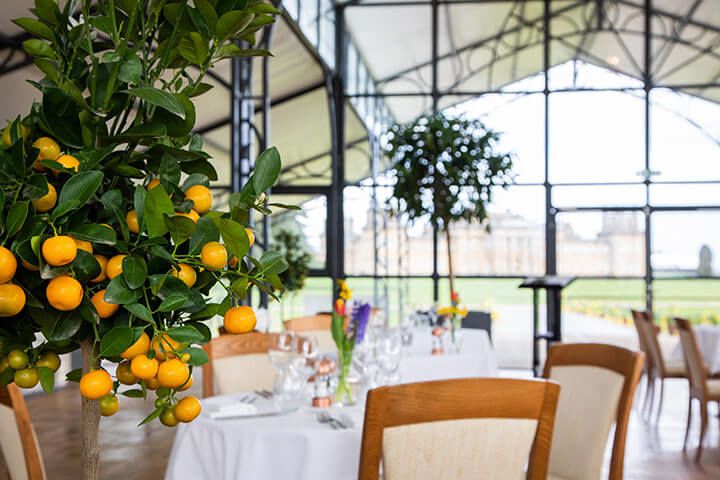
197	90
34	27
134	270
139	197
36	187
47	10
74	375
273	262
155	414
63	327
134	393
231	50
140	311
81	187
47	379
64	208
267	170
159	98
148	130
172	302
207	11
193	48
198	356
205	231
235	237
262	7
185	334
157	204
38	48
16	217
116	341
180	228
95	233
232	22
85	266
119	292
131	70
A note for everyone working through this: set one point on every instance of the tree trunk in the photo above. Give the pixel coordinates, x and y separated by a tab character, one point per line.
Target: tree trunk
90	414
451	273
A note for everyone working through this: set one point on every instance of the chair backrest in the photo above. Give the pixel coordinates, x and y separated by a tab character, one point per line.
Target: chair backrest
694	363
317	326
637	317
478	321
597	388
489	428
649	332
17	437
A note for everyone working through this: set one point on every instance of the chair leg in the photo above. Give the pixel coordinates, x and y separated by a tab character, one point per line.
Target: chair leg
651	404
660	401
703	429
689	422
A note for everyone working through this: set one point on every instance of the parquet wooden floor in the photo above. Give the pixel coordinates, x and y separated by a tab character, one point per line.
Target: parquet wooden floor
132	453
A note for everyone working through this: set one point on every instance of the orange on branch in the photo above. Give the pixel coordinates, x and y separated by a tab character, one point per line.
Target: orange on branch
167	417
187	409
27	377
140	347
124	374
109	405
102	260
153	183
132	222
173	373
50	360
17	359
95	384
64	293
192	215
201	197
239	319
214	255
12	299
83	245
251	236
104	309
69	162
143	367
8	265
114	266
59	250
165	346
185	273
47	202
49	150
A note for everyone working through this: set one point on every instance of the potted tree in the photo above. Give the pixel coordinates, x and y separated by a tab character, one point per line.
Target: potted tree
291	247
109	242
445	170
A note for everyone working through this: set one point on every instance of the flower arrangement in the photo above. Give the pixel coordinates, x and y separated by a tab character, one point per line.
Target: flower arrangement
347	331
454	314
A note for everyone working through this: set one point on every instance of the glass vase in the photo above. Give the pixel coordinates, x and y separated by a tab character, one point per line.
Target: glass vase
343	393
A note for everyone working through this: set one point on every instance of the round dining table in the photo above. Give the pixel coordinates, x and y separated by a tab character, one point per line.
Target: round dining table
296	445
708	339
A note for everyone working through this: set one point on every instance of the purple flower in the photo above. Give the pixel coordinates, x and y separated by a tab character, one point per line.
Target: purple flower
359	319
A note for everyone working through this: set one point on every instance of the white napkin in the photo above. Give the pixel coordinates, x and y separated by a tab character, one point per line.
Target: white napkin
239	409
343	417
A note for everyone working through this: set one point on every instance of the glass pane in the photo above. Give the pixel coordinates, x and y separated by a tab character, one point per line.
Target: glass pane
696	300
599	196
310	223
601	244
686	244
684	136
596	137
515	243
315	297
687	194
519	120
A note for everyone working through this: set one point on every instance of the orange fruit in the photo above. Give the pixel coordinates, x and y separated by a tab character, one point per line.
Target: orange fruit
132	221
8	265
164	346
187	409
69	162
167	417
84	245
95	384
102	260
140	347
109	405
152	383
59	250
186	273
17	359
7	137
49	360
46	202
187	385
114	266
153	183
201	197
239	320
173	373
4	365
12	299
49	150
143	367
213	254
104	309
124	374
27	377
192	215
64	293
251	236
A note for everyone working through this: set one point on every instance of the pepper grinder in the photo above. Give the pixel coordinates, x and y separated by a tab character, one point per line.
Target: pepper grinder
323	377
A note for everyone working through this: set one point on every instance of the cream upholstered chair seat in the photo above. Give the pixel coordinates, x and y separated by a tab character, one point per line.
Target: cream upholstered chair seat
243	373
324	339
490	448
713	387
674	368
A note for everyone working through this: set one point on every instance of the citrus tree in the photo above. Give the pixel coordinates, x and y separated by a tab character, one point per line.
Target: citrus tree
109	240
446	169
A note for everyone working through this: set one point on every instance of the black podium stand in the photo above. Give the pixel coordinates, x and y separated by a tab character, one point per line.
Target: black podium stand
553	286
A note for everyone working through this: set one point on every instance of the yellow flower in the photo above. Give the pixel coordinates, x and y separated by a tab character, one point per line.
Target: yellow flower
445	311
345	293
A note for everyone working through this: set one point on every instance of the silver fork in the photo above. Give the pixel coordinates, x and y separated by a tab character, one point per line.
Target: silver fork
248	399
267	394
335	424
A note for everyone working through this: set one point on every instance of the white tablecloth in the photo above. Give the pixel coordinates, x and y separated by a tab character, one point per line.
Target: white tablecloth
708	339
296	446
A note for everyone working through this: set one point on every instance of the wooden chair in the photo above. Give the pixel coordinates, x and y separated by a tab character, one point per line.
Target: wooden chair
597	388
702	388
317	326
660	369
239	363
17	437
637	317
471	428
